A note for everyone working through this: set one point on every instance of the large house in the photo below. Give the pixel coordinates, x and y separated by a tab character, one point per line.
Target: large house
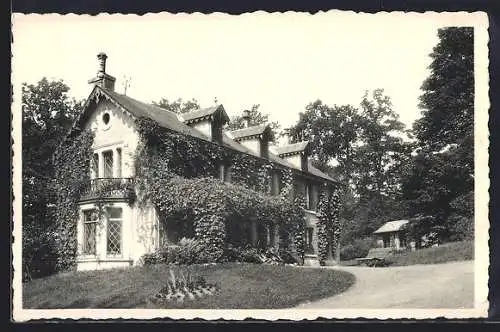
129	231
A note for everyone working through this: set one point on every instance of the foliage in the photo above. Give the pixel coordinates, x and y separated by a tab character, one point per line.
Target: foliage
462	217
357	249
178	106
433	182
256	118
47	114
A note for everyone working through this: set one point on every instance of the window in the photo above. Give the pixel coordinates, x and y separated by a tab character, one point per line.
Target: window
108	164
308	196
94	167
105	118
90	219
118	162
386	239
114	232
309	240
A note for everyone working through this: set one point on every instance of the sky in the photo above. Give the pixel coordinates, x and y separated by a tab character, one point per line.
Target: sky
280	61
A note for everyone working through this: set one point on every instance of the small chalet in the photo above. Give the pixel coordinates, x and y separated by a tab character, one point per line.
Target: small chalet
129	231
390	235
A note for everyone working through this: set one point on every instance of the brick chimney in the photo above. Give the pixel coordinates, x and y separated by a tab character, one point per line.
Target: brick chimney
102	79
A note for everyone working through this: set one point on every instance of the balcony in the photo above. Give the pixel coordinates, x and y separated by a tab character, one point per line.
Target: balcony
109	188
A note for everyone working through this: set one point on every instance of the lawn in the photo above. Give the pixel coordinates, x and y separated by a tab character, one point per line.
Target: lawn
448	252
241	286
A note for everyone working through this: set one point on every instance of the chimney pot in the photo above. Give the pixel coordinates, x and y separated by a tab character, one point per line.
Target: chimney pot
102	62
246	118
102	79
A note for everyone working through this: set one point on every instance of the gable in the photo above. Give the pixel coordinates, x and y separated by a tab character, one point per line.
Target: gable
110	124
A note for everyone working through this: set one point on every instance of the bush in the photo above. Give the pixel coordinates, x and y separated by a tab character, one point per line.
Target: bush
357	249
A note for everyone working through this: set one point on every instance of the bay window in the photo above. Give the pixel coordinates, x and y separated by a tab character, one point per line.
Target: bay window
114	232
90	220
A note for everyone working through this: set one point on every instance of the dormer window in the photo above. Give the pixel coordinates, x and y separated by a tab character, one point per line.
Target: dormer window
255	138
296	154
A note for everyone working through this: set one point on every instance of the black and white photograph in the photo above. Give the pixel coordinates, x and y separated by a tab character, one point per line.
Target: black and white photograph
263	165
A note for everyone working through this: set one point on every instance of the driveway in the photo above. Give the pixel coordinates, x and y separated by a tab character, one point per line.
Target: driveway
449	285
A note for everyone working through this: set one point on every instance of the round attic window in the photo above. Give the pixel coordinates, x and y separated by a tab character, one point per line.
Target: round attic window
105	118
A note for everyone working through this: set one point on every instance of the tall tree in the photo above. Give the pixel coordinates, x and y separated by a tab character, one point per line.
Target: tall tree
256	118
440	182
178	106
447	102
47	114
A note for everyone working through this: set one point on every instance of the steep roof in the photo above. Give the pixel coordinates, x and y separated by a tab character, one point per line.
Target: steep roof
249	131
391	226
172	121
203	113
291	148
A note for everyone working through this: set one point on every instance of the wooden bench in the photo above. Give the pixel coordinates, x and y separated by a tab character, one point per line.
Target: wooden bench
375	257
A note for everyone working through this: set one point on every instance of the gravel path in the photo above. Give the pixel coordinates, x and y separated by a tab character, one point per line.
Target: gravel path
449	285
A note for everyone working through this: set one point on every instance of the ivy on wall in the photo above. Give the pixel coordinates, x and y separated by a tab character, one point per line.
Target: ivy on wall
71	163
329	222
178	173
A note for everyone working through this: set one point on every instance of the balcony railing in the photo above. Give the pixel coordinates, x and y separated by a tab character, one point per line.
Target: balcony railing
118	188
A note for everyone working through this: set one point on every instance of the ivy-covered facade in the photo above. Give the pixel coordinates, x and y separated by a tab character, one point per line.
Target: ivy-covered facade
134	178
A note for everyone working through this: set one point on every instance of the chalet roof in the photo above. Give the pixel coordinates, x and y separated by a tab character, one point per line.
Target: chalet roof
172	121
249	131
391	226
291	148
204	113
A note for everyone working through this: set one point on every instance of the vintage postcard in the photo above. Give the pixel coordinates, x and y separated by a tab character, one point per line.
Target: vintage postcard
264	165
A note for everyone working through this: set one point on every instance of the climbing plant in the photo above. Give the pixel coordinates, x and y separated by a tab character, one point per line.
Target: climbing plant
329	222
71	164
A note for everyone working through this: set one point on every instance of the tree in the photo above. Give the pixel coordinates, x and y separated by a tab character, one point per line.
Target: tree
332	132
256	118
178	106
447	102
380	157
47	114
369	151
439	184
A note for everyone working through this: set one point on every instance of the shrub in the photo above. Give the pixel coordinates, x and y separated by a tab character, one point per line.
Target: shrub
39	253
357	249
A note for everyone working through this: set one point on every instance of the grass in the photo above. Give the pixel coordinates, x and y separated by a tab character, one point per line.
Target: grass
241	286
449	252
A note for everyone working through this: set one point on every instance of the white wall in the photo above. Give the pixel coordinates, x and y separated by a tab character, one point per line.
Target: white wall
120	132
295	160
252	144
145	232
205	127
